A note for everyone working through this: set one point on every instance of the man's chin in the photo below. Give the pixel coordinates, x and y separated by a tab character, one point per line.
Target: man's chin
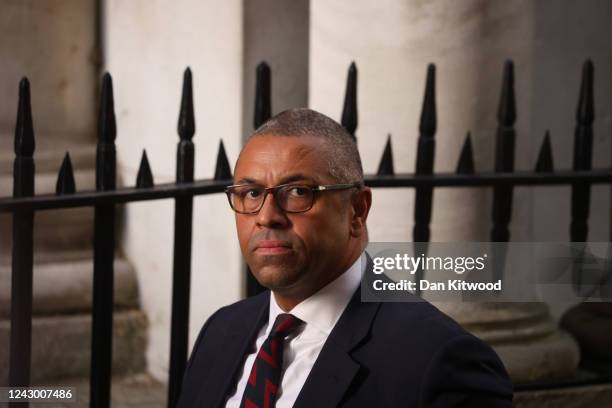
276	277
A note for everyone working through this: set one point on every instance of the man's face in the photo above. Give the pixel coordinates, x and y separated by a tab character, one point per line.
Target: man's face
292	253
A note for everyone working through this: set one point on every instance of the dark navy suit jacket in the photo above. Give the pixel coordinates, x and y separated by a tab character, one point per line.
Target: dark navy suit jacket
378	355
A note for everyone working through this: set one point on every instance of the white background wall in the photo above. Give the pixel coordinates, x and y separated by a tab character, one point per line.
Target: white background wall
148	45
392	42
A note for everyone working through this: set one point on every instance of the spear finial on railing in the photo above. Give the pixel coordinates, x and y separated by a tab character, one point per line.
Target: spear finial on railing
107	132
222	168
585	113
428	122
144	178
544	163
349	111
506	113
186	122
263	99
65	179
24	130
465	165
506	116
427	125
385	168
107	126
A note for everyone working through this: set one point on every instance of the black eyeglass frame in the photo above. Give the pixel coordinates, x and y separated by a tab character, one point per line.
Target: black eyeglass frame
275	189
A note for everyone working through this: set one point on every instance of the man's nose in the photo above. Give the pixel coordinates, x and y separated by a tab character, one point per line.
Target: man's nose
271	215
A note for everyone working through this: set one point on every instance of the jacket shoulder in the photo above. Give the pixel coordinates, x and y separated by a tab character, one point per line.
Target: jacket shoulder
417	319
440	356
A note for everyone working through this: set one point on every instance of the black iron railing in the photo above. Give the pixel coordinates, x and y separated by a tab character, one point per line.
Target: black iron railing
24	203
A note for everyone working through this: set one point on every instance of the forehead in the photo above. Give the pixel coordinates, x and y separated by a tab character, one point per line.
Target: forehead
269	159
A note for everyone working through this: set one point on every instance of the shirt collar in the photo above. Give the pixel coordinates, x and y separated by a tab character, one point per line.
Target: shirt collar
323	309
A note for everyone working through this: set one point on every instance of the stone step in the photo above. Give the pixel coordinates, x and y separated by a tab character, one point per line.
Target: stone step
64	285
45	182
61	346
587	396
49	153
67	229
54	230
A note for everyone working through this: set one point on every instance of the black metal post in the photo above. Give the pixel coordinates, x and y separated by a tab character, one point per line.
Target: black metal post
424	166
22	262
181	273
104	245
583	152
504	156
504	162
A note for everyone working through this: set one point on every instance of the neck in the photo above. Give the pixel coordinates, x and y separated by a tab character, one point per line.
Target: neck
285	302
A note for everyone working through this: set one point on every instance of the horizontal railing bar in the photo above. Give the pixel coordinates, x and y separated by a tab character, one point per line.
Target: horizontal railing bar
488	179
121	195
208	186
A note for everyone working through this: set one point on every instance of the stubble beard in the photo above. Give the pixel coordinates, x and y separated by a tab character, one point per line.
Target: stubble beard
276	274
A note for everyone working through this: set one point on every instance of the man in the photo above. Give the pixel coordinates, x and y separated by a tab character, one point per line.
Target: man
301	210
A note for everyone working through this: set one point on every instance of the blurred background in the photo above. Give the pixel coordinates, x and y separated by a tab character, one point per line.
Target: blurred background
64	46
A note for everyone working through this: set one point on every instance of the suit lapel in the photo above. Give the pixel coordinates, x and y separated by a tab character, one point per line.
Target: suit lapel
235	345
334	369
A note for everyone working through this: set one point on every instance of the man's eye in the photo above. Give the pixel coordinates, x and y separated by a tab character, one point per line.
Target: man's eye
298	191
251	193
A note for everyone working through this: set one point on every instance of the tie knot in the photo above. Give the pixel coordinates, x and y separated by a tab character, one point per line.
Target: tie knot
284	325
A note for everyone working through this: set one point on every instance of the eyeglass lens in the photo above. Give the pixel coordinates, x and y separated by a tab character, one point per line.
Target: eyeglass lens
291	198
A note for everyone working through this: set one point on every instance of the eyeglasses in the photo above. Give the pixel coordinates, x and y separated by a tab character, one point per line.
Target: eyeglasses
291	198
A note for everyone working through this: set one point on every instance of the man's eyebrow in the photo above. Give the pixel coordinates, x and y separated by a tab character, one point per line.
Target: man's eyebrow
245	180
284	180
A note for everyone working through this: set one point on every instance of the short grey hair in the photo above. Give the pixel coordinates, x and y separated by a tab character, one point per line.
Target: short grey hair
344	162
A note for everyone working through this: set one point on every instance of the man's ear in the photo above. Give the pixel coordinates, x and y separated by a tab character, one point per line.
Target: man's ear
362	202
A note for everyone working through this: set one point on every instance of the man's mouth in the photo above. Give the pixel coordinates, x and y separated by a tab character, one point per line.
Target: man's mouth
272	247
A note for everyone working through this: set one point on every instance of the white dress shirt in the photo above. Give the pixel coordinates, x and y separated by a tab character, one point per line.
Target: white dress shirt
320	312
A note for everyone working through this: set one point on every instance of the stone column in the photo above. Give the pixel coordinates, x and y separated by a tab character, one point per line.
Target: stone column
54	43
392	42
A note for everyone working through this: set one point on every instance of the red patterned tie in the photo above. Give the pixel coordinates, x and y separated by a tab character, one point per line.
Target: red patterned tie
262	387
